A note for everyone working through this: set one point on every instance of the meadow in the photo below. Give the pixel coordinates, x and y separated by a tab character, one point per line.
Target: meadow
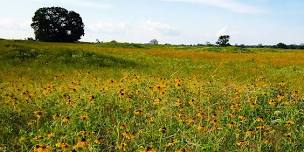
145	98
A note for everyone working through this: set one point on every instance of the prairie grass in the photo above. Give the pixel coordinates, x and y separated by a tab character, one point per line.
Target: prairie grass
106	97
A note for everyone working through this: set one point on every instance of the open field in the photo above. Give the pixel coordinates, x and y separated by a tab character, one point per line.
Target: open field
123	97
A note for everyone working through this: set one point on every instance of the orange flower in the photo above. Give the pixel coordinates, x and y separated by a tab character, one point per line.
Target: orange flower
66	119
50	135
38	114
84	117
122	146
81	144
260	119
148	149
62	145
128	135
261	127
242	143
99	141
42	148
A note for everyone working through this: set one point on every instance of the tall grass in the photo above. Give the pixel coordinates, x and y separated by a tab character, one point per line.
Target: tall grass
88	97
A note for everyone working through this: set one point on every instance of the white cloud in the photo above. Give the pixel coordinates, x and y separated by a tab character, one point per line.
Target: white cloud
222	31
15	28
142	31
14	24
107	27
232	5
160	28
80	3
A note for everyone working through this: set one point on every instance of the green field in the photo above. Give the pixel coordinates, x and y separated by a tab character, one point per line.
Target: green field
134	97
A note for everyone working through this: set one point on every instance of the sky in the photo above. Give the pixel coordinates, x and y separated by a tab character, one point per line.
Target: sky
169	21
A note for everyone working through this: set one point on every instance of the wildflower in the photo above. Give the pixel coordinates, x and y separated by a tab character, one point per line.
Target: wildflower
260	119
62	145
157	101
84	117
38	114
122	92
261	127
242	118
201	115
128	135
148	149
37	138
295	95
249	133
289	123
123	126
99	141
82	133
178	82
122	146
163	130
138	112
201	128
56	116
181	150
150	119
189	121
191	102
91	98
231	124
50	135
30	123
280	97
137	92
81	144
66	119
288	135
271	102
172	143
178	102
42	148
242	143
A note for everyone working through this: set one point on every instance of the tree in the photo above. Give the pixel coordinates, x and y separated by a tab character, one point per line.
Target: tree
223	40
56	24
282	46
154	42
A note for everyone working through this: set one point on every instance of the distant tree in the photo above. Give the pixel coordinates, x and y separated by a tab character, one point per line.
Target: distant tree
282	46
56	24
97	41
242	46
154	42
293	46
113	41
209	44
260	45
223	40
30	39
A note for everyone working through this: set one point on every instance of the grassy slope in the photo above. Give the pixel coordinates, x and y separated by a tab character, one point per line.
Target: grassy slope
135	96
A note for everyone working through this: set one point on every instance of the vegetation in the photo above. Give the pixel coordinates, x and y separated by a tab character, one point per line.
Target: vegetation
56	24
132	97
223	40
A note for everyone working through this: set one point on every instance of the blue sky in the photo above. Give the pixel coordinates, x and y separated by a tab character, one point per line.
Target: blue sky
169	21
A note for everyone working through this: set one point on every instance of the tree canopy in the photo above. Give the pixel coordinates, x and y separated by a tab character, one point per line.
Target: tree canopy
223	40
56	24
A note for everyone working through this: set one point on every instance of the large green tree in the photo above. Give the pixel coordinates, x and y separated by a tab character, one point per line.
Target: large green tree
56	24
223	40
